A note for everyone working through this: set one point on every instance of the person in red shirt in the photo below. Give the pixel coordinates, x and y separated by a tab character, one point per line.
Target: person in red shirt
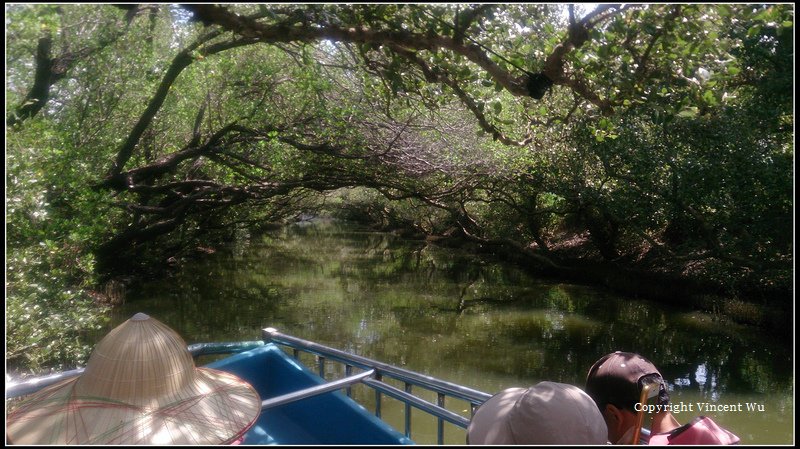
617	381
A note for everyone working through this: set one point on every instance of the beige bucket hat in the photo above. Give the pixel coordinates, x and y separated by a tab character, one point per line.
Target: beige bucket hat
547	413
140	386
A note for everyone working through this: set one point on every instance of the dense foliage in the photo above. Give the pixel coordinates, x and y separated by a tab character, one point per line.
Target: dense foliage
660	136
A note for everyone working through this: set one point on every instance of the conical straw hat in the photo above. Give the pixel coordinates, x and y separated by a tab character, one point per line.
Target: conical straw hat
140	386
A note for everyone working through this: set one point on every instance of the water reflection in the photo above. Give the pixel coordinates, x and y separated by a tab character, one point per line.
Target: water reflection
451	315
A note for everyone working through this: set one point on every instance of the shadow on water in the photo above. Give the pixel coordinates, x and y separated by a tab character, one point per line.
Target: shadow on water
449	314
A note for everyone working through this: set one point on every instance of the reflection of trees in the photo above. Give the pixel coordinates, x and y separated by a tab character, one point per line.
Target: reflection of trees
396	301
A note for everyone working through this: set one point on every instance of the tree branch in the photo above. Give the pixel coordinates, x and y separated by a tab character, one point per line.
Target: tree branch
182	60
463	20
439	76
250	28
528	85
126	180
40	91
50	70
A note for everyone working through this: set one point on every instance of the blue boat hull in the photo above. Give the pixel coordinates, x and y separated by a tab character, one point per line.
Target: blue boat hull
329	418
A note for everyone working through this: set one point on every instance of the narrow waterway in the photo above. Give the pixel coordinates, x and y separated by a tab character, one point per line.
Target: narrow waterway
449	314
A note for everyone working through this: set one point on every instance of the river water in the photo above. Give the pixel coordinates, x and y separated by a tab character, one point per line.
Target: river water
458	317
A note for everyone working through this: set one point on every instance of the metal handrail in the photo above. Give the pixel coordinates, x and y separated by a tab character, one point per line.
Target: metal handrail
315	390
201	349
421	404
25	387
470	395
440	387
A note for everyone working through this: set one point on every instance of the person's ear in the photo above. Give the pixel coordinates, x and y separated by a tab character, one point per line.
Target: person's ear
614	419
612	413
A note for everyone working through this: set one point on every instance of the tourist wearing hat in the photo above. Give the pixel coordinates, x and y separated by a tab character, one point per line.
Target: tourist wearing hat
616	381
547	413
140	386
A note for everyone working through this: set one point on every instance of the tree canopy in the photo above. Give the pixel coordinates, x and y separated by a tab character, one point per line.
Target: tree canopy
660	134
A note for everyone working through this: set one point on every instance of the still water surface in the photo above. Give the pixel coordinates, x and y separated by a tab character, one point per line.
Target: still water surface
452	315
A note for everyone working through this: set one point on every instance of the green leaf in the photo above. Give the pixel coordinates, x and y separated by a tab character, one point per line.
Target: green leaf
709	97
498	107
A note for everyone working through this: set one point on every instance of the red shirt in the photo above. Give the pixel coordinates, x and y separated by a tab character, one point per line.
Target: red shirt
702	430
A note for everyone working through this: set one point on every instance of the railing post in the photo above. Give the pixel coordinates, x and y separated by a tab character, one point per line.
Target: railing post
378	377
348	371
321	361
439	421
408	412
